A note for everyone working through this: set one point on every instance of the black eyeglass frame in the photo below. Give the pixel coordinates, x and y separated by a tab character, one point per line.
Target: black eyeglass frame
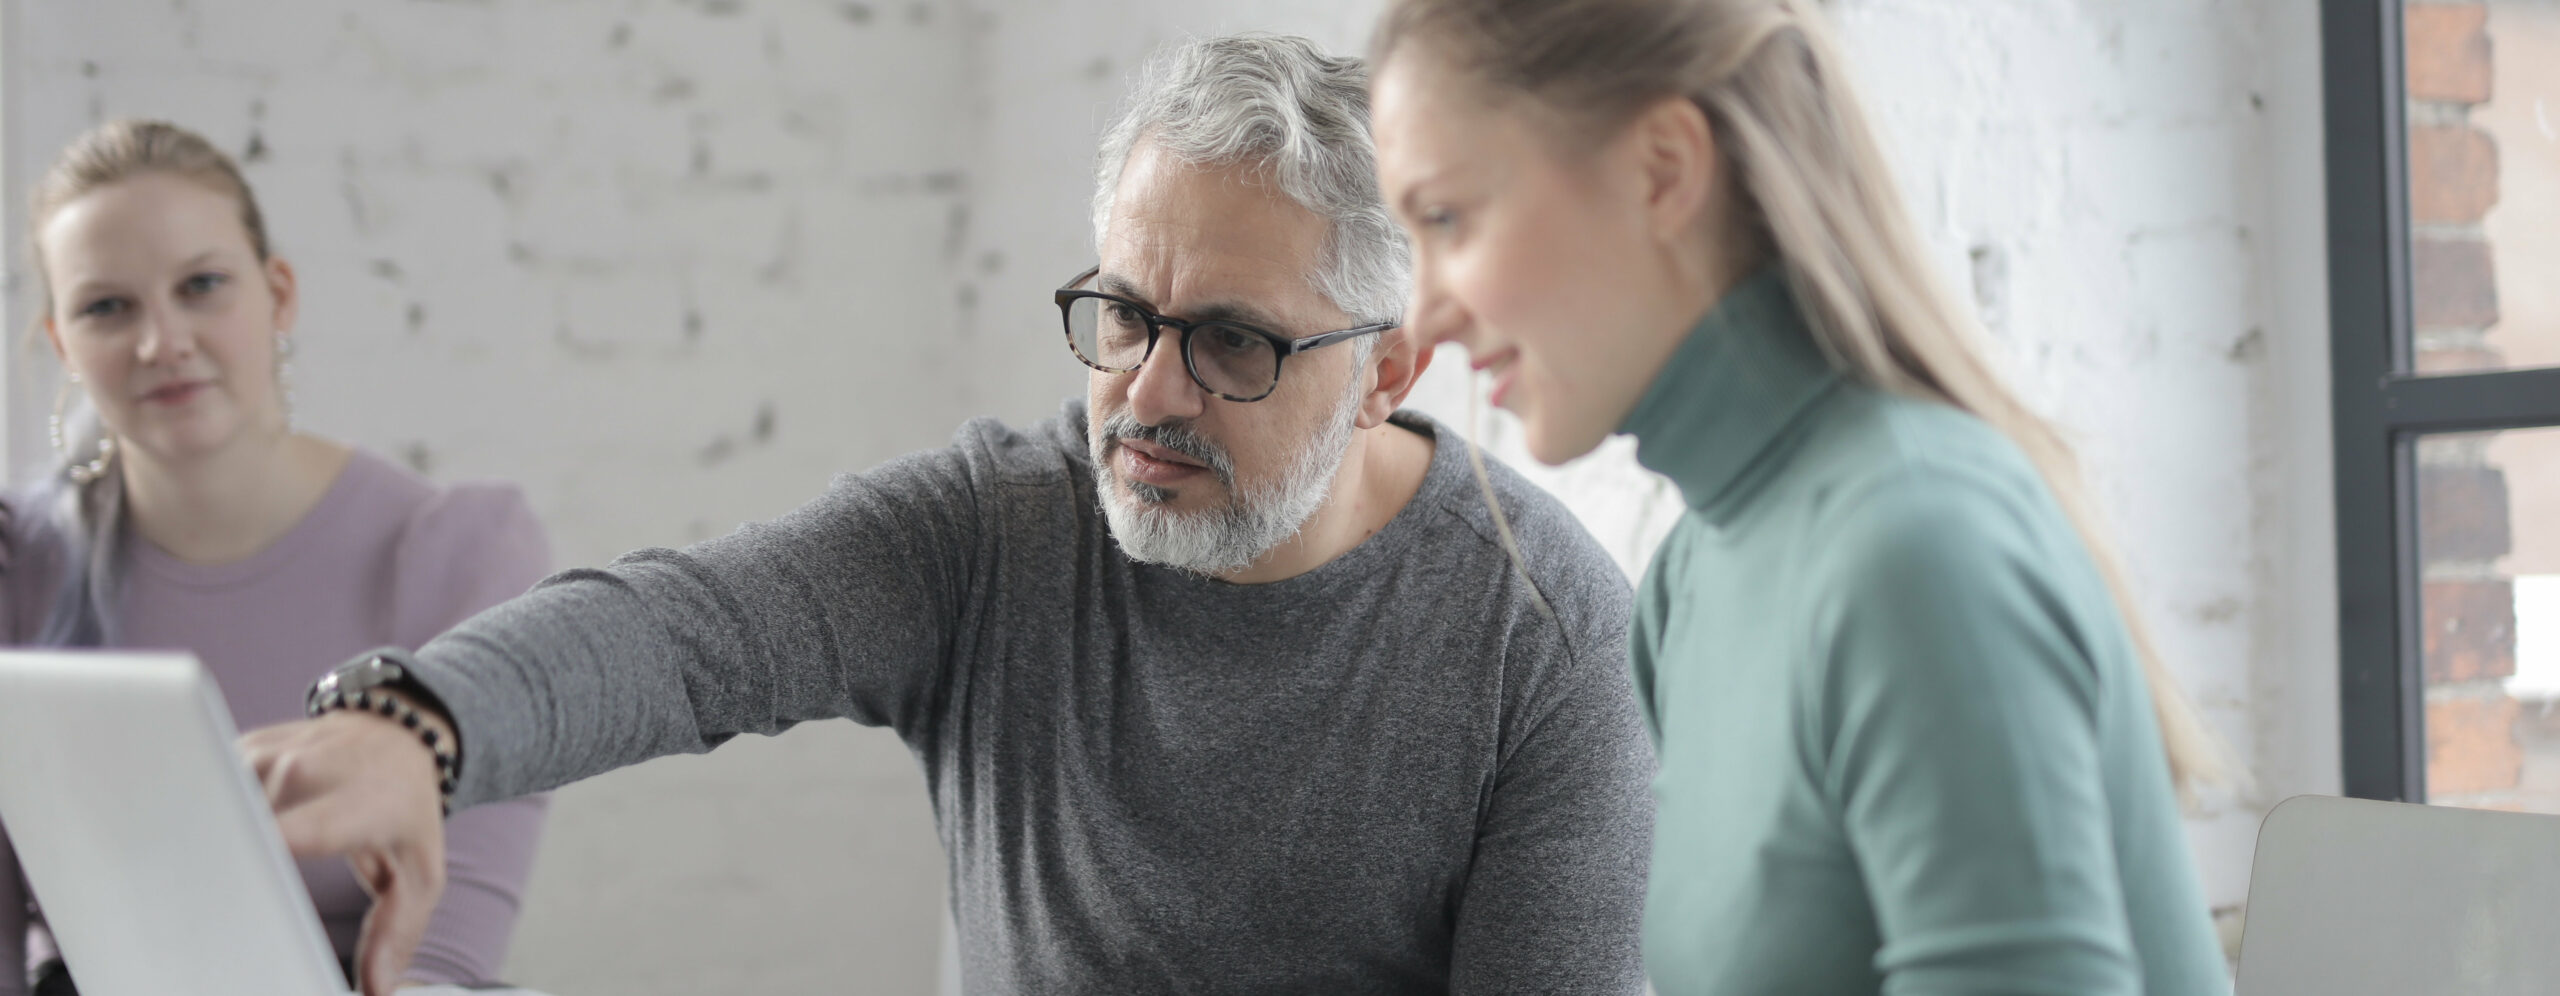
1282	346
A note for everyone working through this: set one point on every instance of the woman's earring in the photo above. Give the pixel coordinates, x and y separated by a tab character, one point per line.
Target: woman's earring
284	375
96	467
61	405
83	473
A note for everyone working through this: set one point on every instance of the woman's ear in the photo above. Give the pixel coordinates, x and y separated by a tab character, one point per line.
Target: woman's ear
53	335
288	300
1675	147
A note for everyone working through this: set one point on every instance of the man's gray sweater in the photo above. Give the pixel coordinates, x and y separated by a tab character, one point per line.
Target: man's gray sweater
1393	774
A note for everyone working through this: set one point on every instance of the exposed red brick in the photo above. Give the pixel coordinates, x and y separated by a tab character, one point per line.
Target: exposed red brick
2453	174
2462	514
2448	51
2470	630
2471	746
2454	282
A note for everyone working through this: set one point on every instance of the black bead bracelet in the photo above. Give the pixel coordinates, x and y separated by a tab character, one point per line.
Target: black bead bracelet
448	766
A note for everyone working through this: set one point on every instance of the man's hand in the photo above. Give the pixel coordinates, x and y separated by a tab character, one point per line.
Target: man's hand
359	785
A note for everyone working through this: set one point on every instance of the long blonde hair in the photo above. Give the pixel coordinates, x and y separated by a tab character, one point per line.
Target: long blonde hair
1819	197
87	510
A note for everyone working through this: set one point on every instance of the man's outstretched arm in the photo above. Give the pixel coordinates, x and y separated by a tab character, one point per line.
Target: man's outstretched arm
843	608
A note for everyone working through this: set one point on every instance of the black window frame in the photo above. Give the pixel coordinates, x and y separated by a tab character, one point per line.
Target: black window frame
2379	408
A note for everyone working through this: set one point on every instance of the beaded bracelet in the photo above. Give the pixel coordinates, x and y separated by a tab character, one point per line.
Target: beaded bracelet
448	766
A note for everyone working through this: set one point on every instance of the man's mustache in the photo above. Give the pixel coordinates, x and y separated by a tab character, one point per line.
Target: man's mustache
1176	435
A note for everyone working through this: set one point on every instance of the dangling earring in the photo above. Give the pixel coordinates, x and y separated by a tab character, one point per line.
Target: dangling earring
84	473
284	376
62	403
79	473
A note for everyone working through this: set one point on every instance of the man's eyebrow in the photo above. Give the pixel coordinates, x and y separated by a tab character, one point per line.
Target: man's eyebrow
1238	313
1119	286
1220	311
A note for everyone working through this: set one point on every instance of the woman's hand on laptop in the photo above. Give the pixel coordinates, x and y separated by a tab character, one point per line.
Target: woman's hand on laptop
355	784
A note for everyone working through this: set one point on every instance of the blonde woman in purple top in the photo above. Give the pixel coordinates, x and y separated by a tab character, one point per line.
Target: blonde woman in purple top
187	512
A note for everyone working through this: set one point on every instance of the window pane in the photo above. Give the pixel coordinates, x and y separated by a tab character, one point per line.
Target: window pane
2484	183
2489	546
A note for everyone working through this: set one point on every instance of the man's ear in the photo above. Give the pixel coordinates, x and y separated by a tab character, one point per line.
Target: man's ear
1397	361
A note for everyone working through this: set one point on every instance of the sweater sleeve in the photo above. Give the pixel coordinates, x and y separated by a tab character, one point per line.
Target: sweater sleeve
846	607
1554	897
469	548
1959	705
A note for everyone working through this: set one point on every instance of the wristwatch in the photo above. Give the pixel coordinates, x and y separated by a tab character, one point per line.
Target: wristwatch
362	684
364	674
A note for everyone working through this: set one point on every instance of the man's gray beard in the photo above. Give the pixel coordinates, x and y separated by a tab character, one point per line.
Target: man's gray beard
1220	540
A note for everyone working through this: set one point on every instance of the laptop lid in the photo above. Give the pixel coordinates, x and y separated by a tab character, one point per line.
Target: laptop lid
143	834
2352	896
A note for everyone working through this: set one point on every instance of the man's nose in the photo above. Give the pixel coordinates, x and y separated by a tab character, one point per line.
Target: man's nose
1162	389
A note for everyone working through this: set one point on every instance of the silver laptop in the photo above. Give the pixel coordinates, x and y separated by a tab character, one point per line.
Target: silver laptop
143	835
2357	898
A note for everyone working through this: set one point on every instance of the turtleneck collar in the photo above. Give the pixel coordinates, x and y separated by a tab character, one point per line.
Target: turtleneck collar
1748	368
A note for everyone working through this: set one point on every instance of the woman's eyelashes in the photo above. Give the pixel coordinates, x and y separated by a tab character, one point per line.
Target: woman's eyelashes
1444	222
196	286
104	309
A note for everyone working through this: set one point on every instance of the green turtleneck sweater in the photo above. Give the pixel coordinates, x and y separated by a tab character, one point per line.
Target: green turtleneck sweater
1905	742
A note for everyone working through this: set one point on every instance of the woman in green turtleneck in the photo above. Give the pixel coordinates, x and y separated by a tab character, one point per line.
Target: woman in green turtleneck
1911	739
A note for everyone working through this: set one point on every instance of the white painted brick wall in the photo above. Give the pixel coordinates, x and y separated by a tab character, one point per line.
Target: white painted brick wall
668	265
591	246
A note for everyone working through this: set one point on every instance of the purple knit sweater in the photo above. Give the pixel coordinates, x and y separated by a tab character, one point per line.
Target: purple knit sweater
384	558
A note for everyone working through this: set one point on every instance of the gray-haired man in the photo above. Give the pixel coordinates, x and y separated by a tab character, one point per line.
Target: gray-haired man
1222	679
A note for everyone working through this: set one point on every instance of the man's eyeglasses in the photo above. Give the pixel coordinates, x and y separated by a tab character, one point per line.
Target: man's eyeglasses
1237	362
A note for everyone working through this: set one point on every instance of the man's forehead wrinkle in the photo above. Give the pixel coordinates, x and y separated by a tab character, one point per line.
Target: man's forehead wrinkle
1181	294
1195	286
1155	241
